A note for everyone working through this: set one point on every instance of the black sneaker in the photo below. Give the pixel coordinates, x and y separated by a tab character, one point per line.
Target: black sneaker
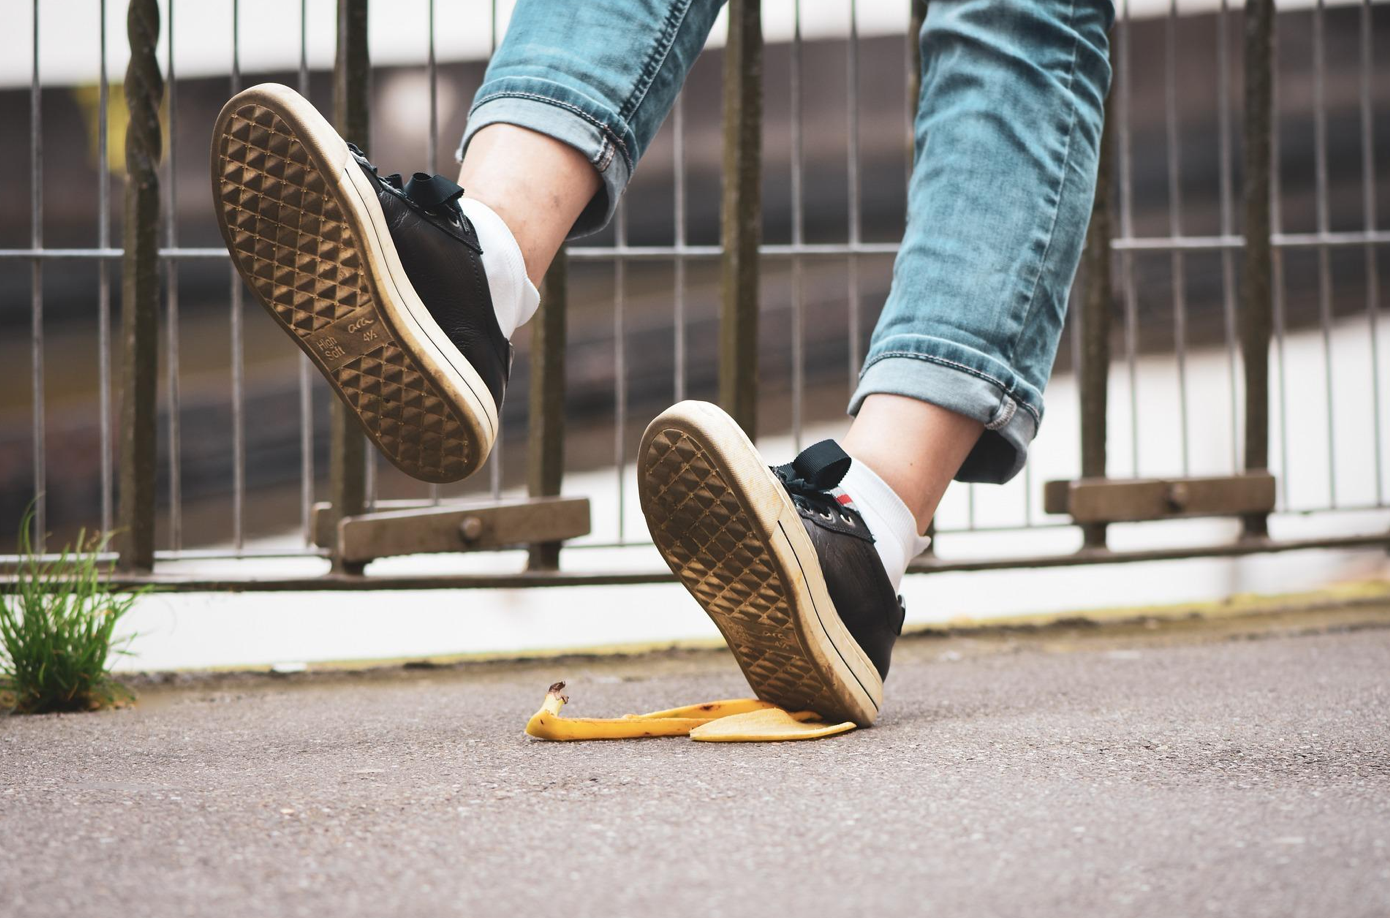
783	564
380	282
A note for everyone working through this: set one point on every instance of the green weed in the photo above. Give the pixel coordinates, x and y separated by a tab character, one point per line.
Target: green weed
56	630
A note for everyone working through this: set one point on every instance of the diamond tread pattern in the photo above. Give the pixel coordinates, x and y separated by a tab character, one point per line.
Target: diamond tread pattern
711	543
297	251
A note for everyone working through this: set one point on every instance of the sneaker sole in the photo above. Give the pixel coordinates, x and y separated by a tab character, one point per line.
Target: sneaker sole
306	232
730	533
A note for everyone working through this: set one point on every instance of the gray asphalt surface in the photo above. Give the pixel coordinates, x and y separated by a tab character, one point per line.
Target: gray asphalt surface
1110	771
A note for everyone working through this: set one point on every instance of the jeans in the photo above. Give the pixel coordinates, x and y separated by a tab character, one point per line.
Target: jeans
1007	134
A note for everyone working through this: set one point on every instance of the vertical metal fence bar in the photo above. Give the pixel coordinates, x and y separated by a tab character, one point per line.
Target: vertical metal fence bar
171	307
1260	173
371	456
545	461
237	343
970	487
1324	254
144	87
1131	294
1027	494
917	15
432	147
351	116
304	48
678	307
306	369
1073	328
432	72
104	277
852	180
1228	274
620	363
1178	271
306	450
1276	257
1368	212
1094	370
742	214
36	294
798	329
495	470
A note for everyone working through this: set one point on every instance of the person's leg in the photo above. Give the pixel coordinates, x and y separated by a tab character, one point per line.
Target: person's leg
535	183
571	101
799	565
1007	143
405	293
915	447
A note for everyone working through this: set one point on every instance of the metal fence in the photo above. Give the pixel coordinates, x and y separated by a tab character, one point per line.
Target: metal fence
1253	272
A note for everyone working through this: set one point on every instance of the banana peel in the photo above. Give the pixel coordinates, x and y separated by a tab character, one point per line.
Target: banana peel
710	710
749	719
772	725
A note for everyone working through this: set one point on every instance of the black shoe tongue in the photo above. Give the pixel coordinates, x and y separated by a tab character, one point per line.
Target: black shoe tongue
432	191
822	464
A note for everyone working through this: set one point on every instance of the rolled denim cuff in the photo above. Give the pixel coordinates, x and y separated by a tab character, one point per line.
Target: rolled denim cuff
967	382
571	118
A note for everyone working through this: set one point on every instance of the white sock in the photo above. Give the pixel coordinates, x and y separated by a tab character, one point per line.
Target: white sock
890	522
514	297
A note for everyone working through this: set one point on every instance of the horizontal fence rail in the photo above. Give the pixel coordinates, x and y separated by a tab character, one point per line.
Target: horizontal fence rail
778	250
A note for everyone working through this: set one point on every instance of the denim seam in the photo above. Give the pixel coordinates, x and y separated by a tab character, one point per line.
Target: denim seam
1061	185
1004	415
674	17
605	156
931	358
609	136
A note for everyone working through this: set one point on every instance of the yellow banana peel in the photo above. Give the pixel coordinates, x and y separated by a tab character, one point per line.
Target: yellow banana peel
710	710
548	724
754	721
768	726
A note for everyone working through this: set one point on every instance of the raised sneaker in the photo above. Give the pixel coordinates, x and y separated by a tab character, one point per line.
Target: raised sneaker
779	558
380	281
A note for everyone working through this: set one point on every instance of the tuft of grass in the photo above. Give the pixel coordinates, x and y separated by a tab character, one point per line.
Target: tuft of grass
56	630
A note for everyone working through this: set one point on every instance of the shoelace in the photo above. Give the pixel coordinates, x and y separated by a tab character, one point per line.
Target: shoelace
820	467
434	194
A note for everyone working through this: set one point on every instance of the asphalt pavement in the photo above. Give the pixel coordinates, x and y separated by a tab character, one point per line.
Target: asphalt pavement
1236	770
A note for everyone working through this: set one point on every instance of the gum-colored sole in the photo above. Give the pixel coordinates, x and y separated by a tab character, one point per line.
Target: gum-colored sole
729	532
306	231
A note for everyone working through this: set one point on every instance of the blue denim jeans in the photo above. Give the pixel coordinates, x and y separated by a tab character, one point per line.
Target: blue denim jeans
1007	140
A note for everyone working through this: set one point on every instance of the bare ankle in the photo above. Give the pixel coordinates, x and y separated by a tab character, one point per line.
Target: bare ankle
914	446
536	184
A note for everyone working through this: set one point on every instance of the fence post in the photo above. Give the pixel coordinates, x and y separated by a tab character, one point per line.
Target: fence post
1256	306
144	89
1096	305
742	214
347	466
545	450
917	15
